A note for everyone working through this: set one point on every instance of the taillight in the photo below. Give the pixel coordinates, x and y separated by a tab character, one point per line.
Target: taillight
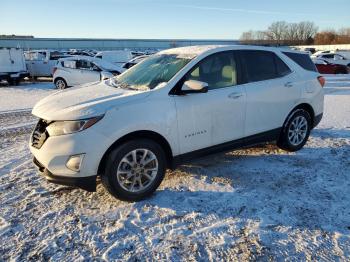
54	70
321	80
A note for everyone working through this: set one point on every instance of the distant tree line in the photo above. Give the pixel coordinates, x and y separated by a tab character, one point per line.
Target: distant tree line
303	33
16	36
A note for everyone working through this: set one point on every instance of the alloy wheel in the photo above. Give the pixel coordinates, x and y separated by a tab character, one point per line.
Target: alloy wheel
137	170
297	130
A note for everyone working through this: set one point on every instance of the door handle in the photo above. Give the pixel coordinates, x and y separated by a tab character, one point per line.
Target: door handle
288	84
235	95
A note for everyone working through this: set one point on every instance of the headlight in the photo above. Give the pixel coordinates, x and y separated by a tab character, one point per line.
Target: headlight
68	127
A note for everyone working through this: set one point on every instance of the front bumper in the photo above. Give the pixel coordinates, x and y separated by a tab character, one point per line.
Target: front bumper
86	183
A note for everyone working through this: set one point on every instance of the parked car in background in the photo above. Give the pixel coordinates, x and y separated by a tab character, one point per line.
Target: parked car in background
41	62
344	53
77	70
175	105
314	55
325	67
312	50
134	61
334	58
118	57
12	65
81	52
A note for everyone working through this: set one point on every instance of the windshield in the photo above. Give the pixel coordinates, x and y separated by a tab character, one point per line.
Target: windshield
151	72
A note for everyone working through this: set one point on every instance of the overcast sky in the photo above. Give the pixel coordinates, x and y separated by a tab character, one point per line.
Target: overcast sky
196	19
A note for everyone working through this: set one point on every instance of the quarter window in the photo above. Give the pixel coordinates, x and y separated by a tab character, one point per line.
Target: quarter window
218	71
302	60
70	64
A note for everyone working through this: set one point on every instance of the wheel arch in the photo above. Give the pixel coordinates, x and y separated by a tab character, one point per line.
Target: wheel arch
58	78
305	106
147	134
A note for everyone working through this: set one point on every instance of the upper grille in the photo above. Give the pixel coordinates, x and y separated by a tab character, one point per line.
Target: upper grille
40	134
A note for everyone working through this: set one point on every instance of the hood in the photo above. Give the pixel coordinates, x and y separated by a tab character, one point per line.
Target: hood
84	101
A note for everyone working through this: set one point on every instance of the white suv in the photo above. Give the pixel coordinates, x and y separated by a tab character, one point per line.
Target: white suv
171	107
78	70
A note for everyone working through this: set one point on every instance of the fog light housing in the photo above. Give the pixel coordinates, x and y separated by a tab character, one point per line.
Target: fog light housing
74	162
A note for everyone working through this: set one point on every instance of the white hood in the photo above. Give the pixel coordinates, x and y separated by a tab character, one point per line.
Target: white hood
84	101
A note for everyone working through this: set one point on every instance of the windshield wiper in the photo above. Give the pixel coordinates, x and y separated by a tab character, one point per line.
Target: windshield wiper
115	83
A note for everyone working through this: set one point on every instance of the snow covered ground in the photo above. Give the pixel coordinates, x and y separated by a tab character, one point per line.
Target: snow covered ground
258	203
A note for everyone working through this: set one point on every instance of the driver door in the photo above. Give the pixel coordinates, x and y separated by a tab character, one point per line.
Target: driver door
215	117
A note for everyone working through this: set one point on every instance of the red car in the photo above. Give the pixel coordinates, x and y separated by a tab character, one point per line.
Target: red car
325	67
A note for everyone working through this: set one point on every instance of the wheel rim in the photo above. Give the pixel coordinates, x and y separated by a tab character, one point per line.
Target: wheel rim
297	130
137	170
60	84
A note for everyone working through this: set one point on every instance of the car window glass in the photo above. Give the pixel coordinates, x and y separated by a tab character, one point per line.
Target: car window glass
282	68
70	64
84	64
328	56
218	71
55	55
41	56
260	65
302	60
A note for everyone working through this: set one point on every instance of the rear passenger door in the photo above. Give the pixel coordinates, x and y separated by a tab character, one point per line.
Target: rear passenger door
270	89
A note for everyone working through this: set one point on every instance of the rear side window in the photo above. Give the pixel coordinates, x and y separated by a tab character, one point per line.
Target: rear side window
262	65
328	56
303	60
282	68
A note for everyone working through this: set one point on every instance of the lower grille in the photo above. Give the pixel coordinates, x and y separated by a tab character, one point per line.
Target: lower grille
40	134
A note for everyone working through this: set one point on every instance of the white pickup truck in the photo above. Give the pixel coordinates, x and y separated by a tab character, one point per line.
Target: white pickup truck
12	65
41	62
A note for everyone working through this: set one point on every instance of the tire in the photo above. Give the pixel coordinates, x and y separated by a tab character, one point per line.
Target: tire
13	81
292	137
60	83
125	184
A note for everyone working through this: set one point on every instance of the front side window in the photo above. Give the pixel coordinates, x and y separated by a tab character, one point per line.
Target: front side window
152	71
84	64
218	71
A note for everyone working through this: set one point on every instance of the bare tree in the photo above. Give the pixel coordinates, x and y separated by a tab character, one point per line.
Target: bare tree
281	32
306	31
277	31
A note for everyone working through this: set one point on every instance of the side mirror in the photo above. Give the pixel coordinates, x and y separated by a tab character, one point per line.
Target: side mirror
194	86
106	75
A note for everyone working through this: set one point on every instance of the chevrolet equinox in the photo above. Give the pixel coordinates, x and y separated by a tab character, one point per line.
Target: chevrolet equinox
173	106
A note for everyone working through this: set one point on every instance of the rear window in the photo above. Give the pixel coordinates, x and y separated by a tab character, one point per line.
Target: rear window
303	60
